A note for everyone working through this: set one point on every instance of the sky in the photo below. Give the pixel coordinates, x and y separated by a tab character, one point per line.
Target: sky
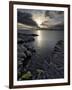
40	18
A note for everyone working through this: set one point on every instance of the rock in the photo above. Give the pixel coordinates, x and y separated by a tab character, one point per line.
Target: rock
22	55
21	59
26	76
25	39
58	54
23	48
29	53
20	63
20	69
20	41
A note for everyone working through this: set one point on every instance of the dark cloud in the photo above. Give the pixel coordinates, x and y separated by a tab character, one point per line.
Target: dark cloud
57	27
41	18
53	14
25	18
55	19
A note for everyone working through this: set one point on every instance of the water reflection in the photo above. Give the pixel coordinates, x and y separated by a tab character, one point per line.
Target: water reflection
39	38
40	35
48	38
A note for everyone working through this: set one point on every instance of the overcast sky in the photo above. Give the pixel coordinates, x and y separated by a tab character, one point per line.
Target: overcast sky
44	18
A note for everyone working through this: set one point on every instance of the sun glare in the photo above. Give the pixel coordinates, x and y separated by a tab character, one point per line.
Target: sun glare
38	21
39	33
39	38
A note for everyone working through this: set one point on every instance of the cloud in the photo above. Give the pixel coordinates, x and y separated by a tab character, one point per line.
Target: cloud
41	18
25	18
54	18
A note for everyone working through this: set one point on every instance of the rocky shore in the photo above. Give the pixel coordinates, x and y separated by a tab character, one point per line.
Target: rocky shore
28	69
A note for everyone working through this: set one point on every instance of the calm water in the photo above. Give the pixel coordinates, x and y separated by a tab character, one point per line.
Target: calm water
45	42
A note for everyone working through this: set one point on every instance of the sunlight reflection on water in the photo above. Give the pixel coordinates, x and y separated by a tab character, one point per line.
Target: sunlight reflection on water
48	38
39	38
40	35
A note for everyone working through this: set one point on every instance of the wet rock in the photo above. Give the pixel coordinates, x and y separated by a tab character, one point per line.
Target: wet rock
58	54
21	59
26	76
20	41
23	48
20	63
29	53
22	55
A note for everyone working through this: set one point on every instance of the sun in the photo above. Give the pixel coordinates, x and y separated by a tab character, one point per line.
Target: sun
38	21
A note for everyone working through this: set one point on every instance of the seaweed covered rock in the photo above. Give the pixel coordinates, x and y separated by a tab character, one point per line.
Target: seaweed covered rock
26	76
